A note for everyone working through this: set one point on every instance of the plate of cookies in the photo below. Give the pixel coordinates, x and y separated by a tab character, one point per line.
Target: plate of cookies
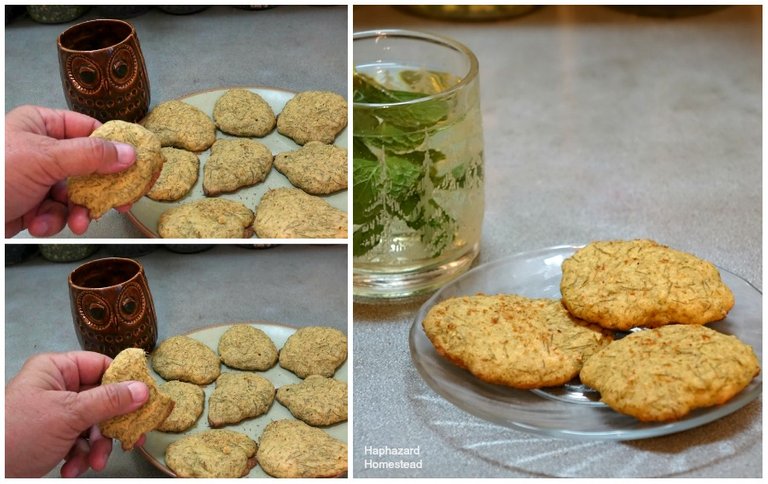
248	161
255	399
614	340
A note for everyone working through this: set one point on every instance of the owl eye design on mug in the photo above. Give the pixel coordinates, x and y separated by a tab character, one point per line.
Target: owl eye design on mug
131	304
123	67
95	311
84	74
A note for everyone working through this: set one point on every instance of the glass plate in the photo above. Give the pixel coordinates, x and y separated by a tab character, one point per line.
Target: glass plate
156	442
573	410
146	212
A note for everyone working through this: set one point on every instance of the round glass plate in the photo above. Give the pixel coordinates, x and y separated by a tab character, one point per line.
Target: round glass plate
146	212
573	410
156	441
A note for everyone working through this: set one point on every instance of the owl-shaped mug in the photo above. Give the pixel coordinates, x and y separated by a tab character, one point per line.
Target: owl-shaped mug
112	307
102	70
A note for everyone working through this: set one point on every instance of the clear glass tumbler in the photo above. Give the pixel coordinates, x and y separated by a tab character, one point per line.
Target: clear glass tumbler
417	163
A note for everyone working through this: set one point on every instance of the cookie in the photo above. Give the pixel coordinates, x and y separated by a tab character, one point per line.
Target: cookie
178	176
234	164
313	116
317	400
213	453
186	359
316	168
512	340
239	396
207	218
181	125
98	193
131	364
247	348
664	373
241	112
314	350
188	399
626	284
289	213
289	448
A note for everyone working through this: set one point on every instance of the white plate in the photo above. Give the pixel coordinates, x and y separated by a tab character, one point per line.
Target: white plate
573	410
146	212
156	442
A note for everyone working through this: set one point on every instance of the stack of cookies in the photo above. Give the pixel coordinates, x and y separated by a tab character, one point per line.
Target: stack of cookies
311	119
630	325
296	447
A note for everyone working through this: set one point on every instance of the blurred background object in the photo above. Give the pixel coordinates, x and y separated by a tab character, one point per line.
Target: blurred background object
469	12
668	11
182	9
56	14
67	252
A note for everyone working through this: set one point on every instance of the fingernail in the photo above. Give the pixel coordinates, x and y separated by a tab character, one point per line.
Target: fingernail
139	391
126	154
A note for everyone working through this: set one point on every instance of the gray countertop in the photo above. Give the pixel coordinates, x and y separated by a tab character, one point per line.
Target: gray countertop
295	285
598	125
295	48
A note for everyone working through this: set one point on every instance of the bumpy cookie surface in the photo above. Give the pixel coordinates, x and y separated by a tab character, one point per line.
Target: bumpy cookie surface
181	125
247	348
188	399
290	448
235	163
316	168
317	400
625	284
314	350
241	112
208	218
313	116
99	193
186	359
213	453
512	340
239	396
179	175
289	213
131	364
662	374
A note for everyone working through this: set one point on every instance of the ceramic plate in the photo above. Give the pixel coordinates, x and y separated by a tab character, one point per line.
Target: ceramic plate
156	442
573	410
146	212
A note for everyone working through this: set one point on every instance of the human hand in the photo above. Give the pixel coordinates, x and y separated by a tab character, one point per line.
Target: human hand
42	148
52	408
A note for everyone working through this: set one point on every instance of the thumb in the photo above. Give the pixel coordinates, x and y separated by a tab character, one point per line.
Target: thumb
107	401
83	156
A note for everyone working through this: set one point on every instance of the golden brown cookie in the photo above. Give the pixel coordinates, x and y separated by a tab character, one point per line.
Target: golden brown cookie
316	168
188	399
625	284
512	340
314	350
131	364
289	213
241	112
208	218
181	125
664	373
98	193
213	453
313	116
290	448
239	396
186	359
247	348
317	400
234	164
179	175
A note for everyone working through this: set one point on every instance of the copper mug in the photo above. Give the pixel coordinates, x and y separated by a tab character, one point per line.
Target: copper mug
102	70
112	307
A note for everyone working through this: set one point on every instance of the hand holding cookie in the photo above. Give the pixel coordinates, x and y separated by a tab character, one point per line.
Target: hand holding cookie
42	148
